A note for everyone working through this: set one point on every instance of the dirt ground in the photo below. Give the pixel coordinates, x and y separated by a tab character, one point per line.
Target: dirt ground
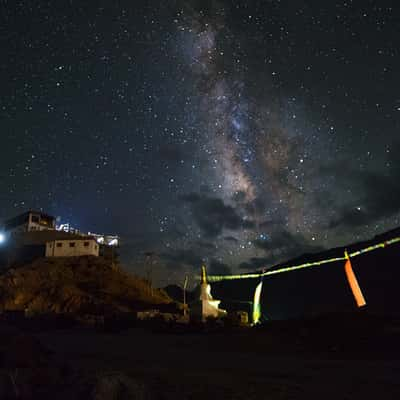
227	366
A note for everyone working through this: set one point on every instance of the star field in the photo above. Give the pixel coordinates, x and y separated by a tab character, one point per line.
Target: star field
236	133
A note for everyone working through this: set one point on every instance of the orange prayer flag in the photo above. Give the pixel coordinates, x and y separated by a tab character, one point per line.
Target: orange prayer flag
355	288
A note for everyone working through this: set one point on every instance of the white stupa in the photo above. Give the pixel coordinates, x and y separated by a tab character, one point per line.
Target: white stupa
206	306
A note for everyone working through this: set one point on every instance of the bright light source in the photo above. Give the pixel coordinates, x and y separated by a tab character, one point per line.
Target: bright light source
2	237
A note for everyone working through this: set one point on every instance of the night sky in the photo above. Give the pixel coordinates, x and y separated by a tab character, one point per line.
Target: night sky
241	133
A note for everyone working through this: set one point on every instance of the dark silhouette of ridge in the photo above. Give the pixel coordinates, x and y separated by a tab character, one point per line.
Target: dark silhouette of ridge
324	288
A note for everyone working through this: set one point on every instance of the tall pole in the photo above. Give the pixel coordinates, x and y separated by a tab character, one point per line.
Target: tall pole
149	266
185	282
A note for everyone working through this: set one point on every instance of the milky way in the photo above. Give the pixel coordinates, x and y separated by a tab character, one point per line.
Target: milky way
271	158
256	152
238	134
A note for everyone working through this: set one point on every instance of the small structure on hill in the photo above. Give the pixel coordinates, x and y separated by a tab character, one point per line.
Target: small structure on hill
206	306
72	246
35	234
51	243
29	221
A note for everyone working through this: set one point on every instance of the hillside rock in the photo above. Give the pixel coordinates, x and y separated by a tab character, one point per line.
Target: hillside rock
119	386
79	285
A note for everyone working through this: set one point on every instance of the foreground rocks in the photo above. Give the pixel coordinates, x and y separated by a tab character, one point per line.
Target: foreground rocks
117	386
28	370
334	357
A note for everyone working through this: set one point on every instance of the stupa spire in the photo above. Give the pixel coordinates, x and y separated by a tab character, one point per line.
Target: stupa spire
203	275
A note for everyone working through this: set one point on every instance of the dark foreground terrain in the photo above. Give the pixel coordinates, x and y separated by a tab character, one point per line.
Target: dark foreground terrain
332	357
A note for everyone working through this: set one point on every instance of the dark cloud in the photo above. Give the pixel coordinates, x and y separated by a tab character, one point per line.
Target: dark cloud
380	200
267	224
193	257
350	217
286	240
277	241
255	207
255	263
282	246
218	268
231	239
191	197
378	197
212	215
239	197
206	245
182	258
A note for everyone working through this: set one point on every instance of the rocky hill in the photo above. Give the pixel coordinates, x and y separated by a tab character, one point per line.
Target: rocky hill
79	285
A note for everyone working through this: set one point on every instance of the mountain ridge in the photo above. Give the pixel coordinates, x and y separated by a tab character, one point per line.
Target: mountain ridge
324	288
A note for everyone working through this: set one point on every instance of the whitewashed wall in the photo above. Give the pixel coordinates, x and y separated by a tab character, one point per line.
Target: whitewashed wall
63	248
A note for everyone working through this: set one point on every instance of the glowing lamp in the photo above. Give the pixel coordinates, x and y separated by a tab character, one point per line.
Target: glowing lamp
2	237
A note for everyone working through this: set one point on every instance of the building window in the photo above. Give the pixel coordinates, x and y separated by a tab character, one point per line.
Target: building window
72	244
86	244
59	244
35	218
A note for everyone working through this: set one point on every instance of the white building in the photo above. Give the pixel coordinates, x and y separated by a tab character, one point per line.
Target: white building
206	306
51	243
34	234
73	246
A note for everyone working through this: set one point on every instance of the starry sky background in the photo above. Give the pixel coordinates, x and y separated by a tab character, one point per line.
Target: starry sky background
239	133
